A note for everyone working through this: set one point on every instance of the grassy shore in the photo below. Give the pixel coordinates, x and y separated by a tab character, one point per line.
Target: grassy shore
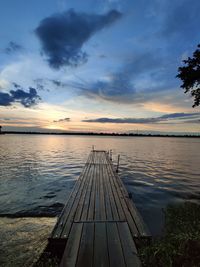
180	244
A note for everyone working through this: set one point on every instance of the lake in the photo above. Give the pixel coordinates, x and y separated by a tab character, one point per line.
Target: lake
37	173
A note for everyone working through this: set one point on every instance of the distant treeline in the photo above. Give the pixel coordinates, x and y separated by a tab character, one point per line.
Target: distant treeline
105	134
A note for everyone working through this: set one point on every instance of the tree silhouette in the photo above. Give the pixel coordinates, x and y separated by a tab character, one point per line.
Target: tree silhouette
190	76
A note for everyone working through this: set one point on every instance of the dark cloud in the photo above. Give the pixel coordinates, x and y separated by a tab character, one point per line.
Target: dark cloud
57	83
102	56
5	99
40	84
180	115
45	84
62	120
16	85
164	118
127	84
27	99
5	119
13	47
124	120
63	35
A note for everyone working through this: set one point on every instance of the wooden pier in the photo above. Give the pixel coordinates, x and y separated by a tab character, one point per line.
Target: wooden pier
99	225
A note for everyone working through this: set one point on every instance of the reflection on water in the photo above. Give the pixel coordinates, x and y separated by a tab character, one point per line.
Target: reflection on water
38	172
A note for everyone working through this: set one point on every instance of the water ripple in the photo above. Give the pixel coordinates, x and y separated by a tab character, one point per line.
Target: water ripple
37	173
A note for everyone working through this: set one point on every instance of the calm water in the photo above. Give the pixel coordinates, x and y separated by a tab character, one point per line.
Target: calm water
38	172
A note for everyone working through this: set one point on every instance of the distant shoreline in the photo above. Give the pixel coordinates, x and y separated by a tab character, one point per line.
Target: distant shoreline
103	134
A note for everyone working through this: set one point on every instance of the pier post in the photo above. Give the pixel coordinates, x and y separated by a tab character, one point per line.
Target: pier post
111	154
117	170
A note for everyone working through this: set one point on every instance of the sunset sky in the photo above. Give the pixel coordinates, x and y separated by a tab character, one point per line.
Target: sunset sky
96	65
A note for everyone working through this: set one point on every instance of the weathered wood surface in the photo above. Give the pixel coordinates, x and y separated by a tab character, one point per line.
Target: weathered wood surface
99	222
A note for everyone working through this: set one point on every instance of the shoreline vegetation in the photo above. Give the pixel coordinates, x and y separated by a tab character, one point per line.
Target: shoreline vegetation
179	246
105	134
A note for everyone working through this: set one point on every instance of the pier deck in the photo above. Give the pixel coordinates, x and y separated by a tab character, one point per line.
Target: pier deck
99	223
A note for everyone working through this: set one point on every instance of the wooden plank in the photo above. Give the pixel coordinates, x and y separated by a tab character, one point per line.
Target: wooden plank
128	216
98	155
88	197
84	194
70	217
128	246
108	209
89	158
101	192
72	247
116	256
92	199
95	157
100	246
85	255
97	196
140	227
110	193
116	195
64	215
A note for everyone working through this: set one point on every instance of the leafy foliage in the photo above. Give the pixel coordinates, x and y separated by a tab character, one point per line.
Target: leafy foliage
190	76
180	245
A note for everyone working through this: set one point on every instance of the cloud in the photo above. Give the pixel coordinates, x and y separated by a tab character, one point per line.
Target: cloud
40	84
62	120
57	83
5	119
5	99
180	115
12	47
102	56
16	85
192	121
141	78
161	119
63	35
26	99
